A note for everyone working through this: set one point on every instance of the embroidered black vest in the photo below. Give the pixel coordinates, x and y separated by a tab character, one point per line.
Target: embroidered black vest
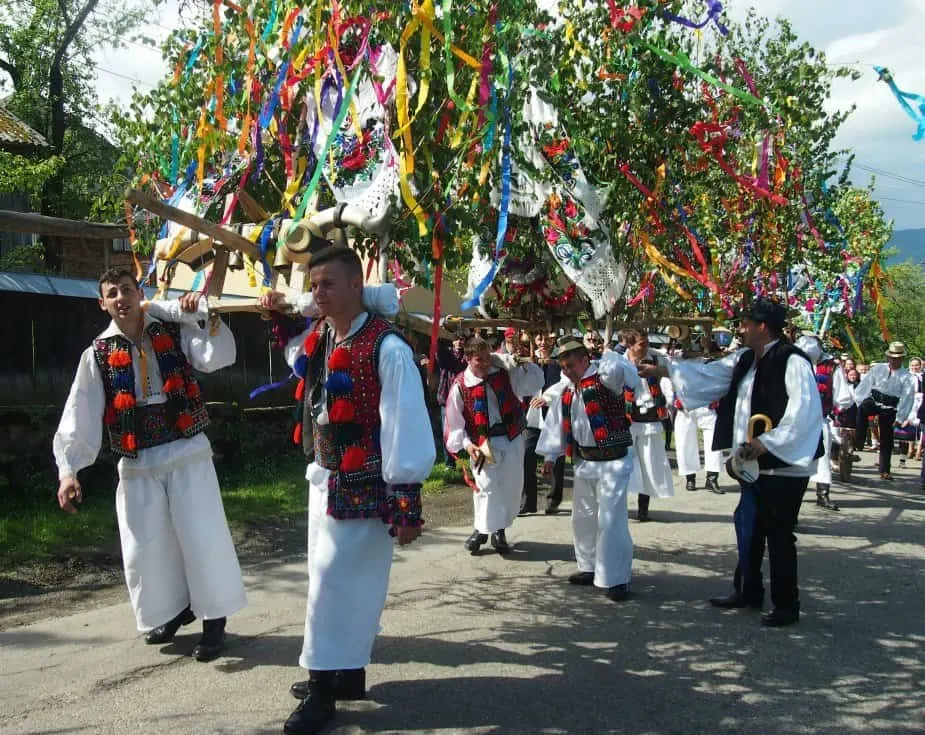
606	412
475	406
769	396
131	427
349	443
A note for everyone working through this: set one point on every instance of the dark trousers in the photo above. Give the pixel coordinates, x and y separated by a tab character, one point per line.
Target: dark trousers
528	496
886	418
777	504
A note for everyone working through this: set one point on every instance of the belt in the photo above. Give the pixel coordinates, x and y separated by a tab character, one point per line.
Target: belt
497	430
601	454
883	399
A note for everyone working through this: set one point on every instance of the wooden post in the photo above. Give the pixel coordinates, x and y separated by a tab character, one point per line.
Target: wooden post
222	235
608	329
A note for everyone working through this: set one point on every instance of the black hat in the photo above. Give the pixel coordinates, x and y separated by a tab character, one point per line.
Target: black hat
767	311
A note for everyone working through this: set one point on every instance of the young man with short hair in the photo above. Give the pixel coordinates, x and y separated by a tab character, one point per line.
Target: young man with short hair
370	447
137	381
485	418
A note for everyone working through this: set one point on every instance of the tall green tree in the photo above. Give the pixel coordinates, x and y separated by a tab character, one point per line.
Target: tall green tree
47	72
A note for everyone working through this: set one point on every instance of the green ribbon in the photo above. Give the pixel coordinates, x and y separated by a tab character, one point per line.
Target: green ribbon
681	59
316	176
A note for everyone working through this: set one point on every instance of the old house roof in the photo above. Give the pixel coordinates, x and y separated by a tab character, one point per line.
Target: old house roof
16	136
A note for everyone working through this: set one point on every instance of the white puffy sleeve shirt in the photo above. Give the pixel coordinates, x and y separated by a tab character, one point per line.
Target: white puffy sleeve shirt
794	440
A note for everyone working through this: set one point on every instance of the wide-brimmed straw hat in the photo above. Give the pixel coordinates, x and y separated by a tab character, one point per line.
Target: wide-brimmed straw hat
896	349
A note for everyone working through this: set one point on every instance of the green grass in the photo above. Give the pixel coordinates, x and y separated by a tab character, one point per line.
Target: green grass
266	488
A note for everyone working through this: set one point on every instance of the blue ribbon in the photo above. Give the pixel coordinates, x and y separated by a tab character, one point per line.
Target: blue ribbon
264	245
713	12
268	387
917	113
505	204
193	56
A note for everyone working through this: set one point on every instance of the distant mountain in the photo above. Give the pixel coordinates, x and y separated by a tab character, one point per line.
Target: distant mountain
910	245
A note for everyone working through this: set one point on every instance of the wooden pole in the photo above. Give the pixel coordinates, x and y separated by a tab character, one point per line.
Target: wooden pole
39	224
227	238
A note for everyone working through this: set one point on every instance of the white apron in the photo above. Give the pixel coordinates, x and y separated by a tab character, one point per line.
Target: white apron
651	469
497	501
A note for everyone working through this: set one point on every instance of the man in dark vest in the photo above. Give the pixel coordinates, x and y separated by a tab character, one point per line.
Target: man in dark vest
771	377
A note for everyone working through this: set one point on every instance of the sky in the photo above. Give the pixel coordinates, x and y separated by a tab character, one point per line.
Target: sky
860	33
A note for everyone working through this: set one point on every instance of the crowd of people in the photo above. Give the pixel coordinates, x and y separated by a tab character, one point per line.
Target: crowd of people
508	412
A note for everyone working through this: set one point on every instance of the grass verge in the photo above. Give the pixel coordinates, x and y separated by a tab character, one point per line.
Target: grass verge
33	528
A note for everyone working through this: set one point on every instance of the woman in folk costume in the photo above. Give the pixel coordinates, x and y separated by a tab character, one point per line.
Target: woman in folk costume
486	419
370	447
652	471
137	381
588	422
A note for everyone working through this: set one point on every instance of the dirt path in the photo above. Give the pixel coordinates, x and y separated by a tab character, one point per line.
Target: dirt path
39	590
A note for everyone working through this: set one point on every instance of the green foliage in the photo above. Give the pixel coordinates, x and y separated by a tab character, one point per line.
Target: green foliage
24	258
22	175
81	179
904	309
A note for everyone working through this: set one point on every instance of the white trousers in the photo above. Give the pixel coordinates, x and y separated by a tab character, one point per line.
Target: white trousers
497	502
651	469
686	441
348	582
176	546
823	474
603	544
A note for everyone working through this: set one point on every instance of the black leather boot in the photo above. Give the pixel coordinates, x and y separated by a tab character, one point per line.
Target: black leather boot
822	497
474	541
165	633
642	508
690	482
499	542
317	708
713	483
350	685
212	641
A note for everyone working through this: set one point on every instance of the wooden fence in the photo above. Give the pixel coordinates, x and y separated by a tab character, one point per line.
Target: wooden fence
43	336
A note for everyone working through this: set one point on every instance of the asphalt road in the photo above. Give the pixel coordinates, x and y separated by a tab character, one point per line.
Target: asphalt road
491	645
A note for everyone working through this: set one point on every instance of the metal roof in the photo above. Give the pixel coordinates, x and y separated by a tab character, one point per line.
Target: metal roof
79	288
15	134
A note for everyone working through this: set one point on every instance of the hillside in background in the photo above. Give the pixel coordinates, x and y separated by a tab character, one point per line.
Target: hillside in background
910	245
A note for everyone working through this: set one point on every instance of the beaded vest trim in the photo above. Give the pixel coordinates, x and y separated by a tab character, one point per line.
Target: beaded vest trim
131	427
606	412
475	406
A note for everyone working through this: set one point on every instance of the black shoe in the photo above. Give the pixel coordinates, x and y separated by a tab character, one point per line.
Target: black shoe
165	633
552	509
349	686
499	542
736	601
643	516
317	708
618	593
691	483
713	483
212	641
526	511
778	618
583	579
474	541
